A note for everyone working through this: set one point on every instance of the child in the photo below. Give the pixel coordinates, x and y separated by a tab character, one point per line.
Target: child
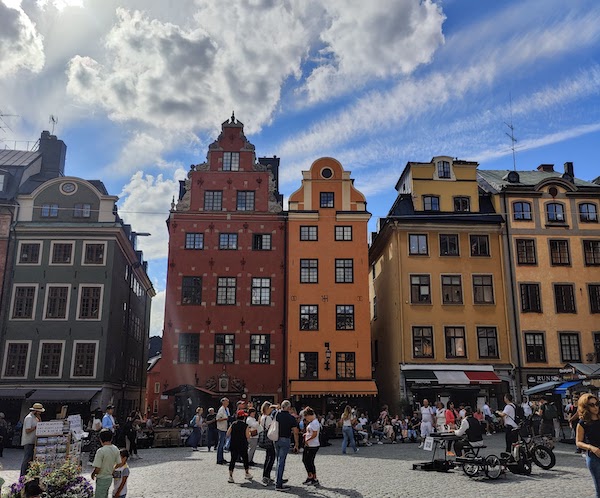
120	475
107	457
239	433
311	446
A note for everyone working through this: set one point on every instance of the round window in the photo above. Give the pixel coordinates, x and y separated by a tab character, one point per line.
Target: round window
553	191
326	173
68	187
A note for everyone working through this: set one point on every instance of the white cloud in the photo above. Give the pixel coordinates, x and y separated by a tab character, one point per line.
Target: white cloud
157	313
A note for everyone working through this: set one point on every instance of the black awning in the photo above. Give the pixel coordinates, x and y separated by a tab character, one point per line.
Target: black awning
16	392
67	394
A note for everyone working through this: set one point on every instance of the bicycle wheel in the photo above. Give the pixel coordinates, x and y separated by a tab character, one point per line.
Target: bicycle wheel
493	467
471	469
543	457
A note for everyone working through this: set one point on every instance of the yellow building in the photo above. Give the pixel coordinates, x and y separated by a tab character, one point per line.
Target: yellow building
553	245
439	317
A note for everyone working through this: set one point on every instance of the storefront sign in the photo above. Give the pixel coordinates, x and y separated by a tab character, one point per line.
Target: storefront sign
570	370
541	379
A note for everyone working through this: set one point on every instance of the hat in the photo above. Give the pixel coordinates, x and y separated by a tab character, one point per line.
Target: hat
110	407
241	413
38	407
224	399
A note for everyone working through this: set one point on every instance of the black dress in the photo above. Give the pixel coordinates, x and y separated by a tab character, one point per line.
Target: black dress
238	445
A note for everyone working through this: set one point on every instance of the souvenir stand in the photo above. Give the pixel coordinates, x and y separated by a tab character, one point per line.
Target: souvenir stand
58	441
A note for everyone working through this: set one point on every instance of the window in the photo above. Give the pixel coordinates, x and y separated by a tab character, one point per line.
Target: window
189	348
521	211
57	299
62	253
597	344
50	359
155	406
309	366
261	291
309	271
226	287
82	210
24	302
345	365
344	271
49	210
245	200
420	289
564	297
194	241
487	342
231	161
261	242
530	298
569	347
431	203
559	253
29	253
480	245
418	245
93	254
455	342
2	181
191	290
374	307
448	245
327	200
462	204
483	289
308	233
344	317
309	317
260	348
591	250
555	212
443	168
535	348
343	233
224	348
526	252
451	289
422	342
213	200
594	292
89	302
588	213
17	356
84	360
157	388
228	241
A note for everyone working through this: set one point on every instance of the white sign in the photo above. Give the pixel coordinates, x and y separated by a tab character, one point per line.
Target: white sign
428	446
52	428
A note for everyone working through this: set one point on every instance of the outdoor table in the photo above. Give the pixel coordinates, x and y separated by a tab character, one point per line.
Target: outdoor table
438	442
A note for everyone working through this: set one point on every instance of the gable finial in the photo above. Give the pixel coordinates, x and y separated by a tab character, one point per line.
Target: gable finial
232	117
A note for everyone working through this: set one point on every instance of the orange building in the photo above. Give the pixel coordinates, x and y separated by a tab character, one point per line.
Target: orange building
328	321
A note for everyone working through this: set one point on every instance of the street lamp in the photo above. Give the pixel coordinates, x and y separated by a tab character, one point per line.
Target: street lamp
327	356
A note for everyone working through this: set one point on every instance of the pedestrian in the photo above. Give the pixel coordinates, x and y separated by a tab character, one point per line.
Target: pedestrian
487	415
196	425
526	405
239	434
427	413
254	430
287	426
3	433
348	422
222	425
573	417
212	434
120	476
108	421
509	415
548	412
588	435
266	418
311	446
107	458
440	417
94	435
130	431
28	435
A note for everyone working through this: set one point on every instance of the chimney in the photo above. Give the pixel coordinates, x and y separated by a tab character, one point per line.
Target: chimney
53	152
546	168
569	169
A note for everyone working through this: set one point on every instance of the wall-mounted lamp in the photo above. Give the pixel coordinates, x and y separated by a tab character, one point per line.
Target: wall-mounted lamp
327	356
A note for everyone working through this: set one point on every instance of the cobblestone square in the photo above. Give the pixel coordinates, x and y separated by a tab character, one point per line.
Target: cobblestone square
378	471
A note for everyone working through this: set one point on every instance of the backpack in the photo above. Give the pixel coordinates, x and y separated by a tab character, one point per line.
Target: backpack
519	413
263	440
550	412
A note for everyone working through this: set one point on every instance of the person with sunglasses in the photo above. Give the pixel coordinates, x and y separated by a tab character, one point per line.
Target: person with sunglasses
588	435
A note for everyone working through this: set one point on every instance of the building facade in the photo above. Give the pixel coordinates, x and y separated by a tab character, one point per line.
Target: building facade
439	319
328	335
553	245
224	312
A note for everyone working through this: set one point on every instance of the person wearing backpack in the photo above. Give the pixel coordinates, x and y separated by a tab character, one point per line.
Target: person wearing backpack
509	416
548	412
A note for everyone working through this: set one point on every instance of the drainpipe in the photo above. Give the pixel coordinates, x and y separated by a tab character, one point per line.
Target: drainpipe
284	383
144	349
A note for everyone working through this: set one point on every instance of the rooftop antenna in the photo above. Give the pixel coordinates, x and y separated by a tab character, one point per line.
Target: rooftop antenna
53	121
3	122
511	135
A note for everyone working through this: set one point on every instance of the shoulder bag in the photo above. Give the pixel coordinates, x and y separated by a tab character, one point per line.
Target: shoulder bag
273	432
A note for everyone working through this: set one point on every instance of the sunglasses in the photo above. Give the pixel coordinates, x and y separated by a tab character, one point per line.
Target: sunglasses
593	405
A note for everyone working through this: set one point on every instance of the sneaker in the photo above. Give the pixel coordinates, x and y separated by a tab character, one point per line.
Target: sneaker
369	444
393	442
230	479
420	445
315	482
379	442
265	481
249	476
282	488
284	481
194	449
308	481
355	450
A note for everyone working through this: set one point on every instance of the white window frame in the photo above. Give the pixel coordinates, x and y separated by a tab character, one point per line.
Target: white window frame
73	376
14	295
157	388
79	292
52	244
46	294
2	181
6	344
95	242
21	242
39	359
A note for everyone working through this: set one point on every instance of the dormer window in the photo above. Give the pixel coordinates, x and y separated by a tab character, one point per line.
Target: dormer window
2	182
555	212
49	210
431	203
443	168
587	212
462	204
231	161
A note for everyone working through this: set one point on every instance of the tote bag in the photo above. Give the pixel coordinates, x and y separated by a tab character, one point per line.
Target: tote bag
273	432
263	441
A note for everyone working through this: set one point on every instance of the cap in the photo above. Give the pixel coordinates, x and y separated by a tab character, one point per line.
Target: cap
224	399
242	413
38	407
110	407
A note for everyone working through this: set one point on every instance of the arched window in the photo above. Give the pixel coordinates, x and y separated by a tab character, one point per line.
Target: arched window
588	213
555	212
521	211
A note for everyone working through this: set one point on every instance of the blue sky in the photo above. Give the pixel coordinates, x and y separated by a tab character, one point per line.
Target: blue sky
140	88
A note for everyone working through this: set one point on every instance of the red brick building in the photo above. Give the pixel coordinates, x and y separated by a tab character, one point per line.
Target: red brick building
224	311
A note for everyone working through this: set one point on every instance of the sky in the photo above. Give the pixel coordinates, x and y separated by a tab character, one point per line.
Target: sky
141	87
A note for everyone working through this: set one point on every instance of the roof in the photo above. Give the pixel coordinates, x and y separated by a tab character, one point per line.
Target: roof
17	157
153	361
495	178
36	180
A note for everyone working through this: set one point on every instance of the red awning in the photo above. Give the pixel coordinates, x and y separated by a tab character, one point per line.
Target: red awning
483	378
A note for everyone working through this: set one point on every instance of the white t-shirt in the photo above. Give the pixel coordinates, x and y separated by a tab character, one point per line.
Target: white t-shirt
119	473
312	428
427	414
462	413
486	410
527	411
363	421
253	424
30	422
347	422
222	413
510	415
